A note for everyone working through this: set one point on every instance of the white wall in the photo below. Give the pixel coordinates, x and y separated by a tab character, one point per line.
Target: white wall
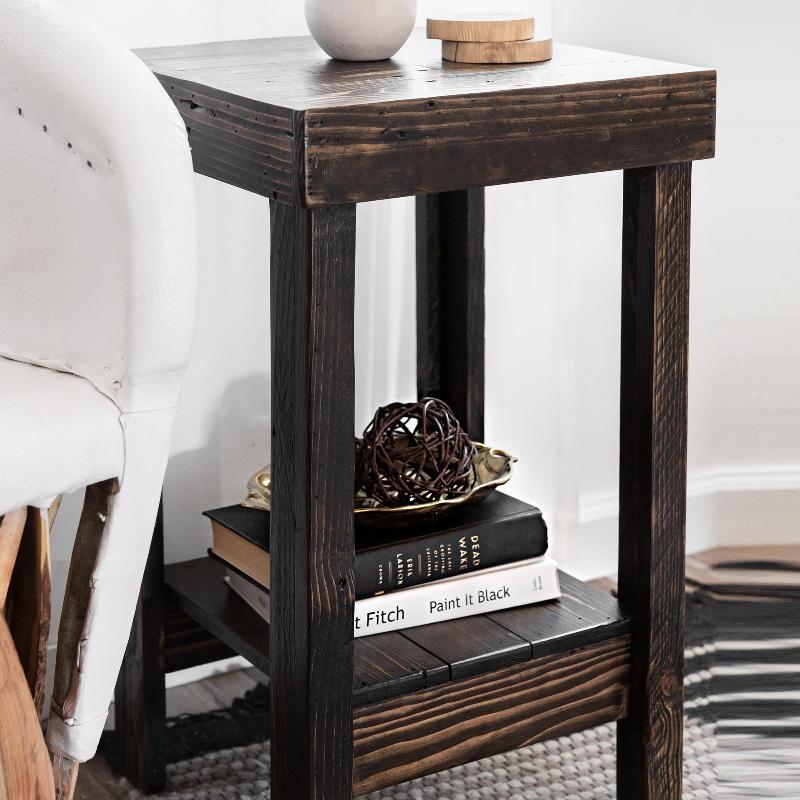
744	437
552	296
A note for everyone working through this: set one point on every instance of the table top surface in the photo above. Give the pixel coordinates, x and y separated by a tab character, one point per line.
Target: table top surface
279	118
294	73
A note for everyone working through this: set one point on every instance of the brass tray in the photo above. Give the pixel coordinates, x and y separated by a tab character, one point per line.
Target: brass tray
493	468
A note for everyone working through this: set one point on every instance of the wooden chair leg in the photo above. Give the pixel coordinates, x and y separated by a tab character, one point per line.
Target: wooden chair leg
52	512
11	527
24	766
96	508
28	604
108	561
65	772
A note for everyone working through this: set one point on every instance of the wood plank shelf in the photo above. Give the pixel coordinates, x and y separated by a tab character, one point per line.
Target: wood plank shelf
187	643
198	588
465	720
396	664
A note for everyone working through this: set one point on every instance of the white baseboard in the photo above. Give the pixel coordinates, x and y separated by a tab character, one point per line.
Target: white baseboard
173	679
758	478
729	506
597	506
204	671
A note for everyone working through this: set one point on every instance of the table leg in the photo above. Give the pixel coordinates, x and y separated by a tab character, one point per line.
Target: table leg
140	713
655	322
312	551
451	303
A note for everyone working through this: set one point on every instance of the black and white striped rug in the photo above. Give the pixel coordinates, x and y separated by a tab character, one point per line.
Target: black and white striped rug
742	728
751	692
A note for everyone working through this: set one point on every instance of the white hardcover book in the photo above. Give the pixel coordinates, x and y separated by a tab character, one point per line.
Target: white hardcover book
495	589
481	592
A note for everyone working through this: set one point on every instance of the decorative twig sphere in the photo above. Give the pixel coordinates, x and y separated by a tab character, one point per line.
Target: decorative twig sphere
415	453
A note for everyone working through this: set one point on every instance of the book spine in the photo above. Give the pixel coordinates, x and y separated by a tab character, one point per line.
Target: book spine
457	552
485	591
256	598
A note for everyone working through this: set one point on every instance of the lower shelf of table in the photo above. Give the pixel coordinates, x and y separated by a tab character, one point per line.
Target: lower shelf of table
396	664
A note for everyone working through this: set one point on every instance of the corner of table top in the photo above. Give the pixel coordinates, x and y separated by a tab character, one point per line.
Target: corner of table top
277	118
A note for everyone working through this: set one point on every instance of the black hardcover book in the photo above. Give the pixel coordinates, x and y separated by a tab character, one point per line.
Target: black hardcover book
396	552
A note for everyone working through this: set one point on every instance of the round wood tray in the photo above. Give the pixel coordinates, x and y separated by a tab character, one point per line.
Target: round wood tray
530	52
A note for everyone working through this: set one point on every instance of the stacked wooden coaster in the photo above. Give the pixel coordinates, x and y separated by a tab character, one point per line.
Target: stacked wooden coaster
490	39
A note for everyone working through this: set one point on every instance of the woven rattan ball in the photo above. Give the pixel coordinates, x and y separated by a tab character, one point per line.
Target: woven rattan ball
414	453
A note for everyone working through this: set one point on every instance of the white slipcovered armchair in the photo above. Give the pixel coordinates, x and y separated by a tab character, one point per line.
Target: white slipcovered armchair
97	290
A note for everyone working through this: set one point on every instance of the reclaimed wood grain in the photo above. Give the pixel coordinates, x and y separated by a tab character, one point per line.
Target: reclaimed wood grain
471	646
384	666
140	696
292	73
11	527
451	303
317	136
28	603
187	643
581	616
198	589
368	152
25	772
275	117
655	328
311	526
97	505
489	714
250	145
528	52
394	664
65	773
391	665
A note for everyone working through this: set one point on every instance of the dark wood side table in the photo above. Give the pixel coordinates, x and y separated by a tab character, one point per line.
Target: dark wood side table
317	137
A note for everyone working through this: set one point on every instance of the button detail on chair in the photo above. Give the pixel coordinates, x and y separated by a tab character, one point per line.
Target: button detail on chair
316	140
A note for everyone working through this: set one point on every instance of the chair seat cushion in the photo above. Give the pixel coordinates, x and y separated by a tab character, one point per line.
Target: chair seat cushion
57	434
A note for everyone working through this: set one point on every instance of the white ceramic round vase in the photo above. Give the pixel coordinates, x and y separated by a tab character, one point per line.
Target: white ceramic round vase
361	30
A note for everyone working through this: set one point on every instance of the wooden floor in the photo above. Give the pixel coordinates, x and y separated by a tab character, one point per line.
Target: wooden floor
96	781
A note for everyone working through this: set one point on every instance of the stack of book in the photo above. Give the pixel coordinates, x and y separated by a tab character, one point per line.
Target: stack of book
410	571
495	38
